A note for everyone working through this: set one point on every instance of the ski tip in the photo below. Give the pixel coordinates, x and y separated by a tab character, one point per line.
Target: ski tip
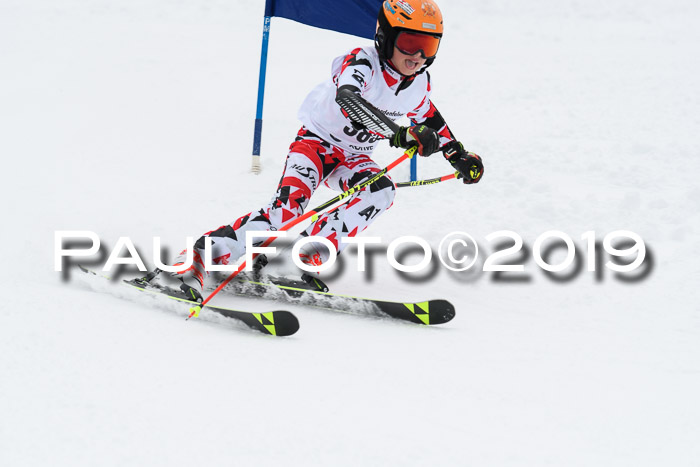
286	323
431	312
442	311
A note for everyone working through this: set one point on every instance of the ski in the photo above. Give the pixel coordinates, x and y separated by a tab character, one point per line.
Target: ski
429	312
275	323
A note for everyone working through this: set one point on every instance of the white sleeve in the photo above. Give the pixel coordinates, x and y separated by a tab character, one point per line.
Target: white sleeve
355	72
426	113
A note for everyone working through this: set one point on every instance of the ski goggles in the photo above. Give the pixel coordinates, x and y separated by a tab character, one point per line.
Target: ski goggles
410	43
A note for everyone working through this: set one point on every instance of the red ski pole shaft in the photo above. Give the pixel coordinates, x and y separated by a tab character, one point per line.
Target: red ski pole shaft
313	212
430	181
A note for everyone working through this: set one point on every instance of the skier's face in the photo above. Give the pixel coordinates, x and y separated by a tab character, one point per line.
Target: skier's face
407	65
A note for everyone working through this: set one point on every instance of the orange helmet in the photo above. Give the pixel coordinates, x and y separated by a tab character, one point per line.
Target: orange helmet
411	25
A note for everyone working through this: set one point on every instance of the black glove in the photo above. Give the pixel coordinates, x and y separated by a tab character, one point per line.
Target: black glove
426	138
467	163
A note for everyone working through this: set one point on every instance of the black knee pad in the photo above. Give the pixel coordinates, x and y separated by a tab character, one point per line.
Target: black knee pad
384	182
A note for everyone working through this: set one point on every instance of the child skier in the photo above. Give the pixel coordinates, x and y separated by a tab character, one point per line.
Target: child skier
332	150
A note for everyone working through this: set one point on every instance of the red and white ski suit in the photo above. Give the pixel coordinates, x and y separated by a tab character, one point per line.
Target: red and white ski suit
330	150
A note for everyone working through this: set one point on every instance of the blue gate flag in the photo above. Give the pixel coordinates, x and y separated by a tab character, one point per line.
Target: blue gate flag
356	17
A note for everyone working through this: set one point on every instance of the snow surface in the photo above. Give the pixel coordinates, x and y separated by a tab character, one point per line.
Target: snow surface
133	118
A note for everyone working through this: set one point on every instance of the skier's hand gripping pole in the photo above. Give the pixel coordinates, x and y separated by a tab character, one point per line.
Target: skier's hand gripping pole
423	139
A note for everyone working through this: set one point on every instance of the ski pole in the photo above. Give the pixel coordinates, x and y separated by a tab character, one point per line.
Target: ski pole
430	181
194	311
